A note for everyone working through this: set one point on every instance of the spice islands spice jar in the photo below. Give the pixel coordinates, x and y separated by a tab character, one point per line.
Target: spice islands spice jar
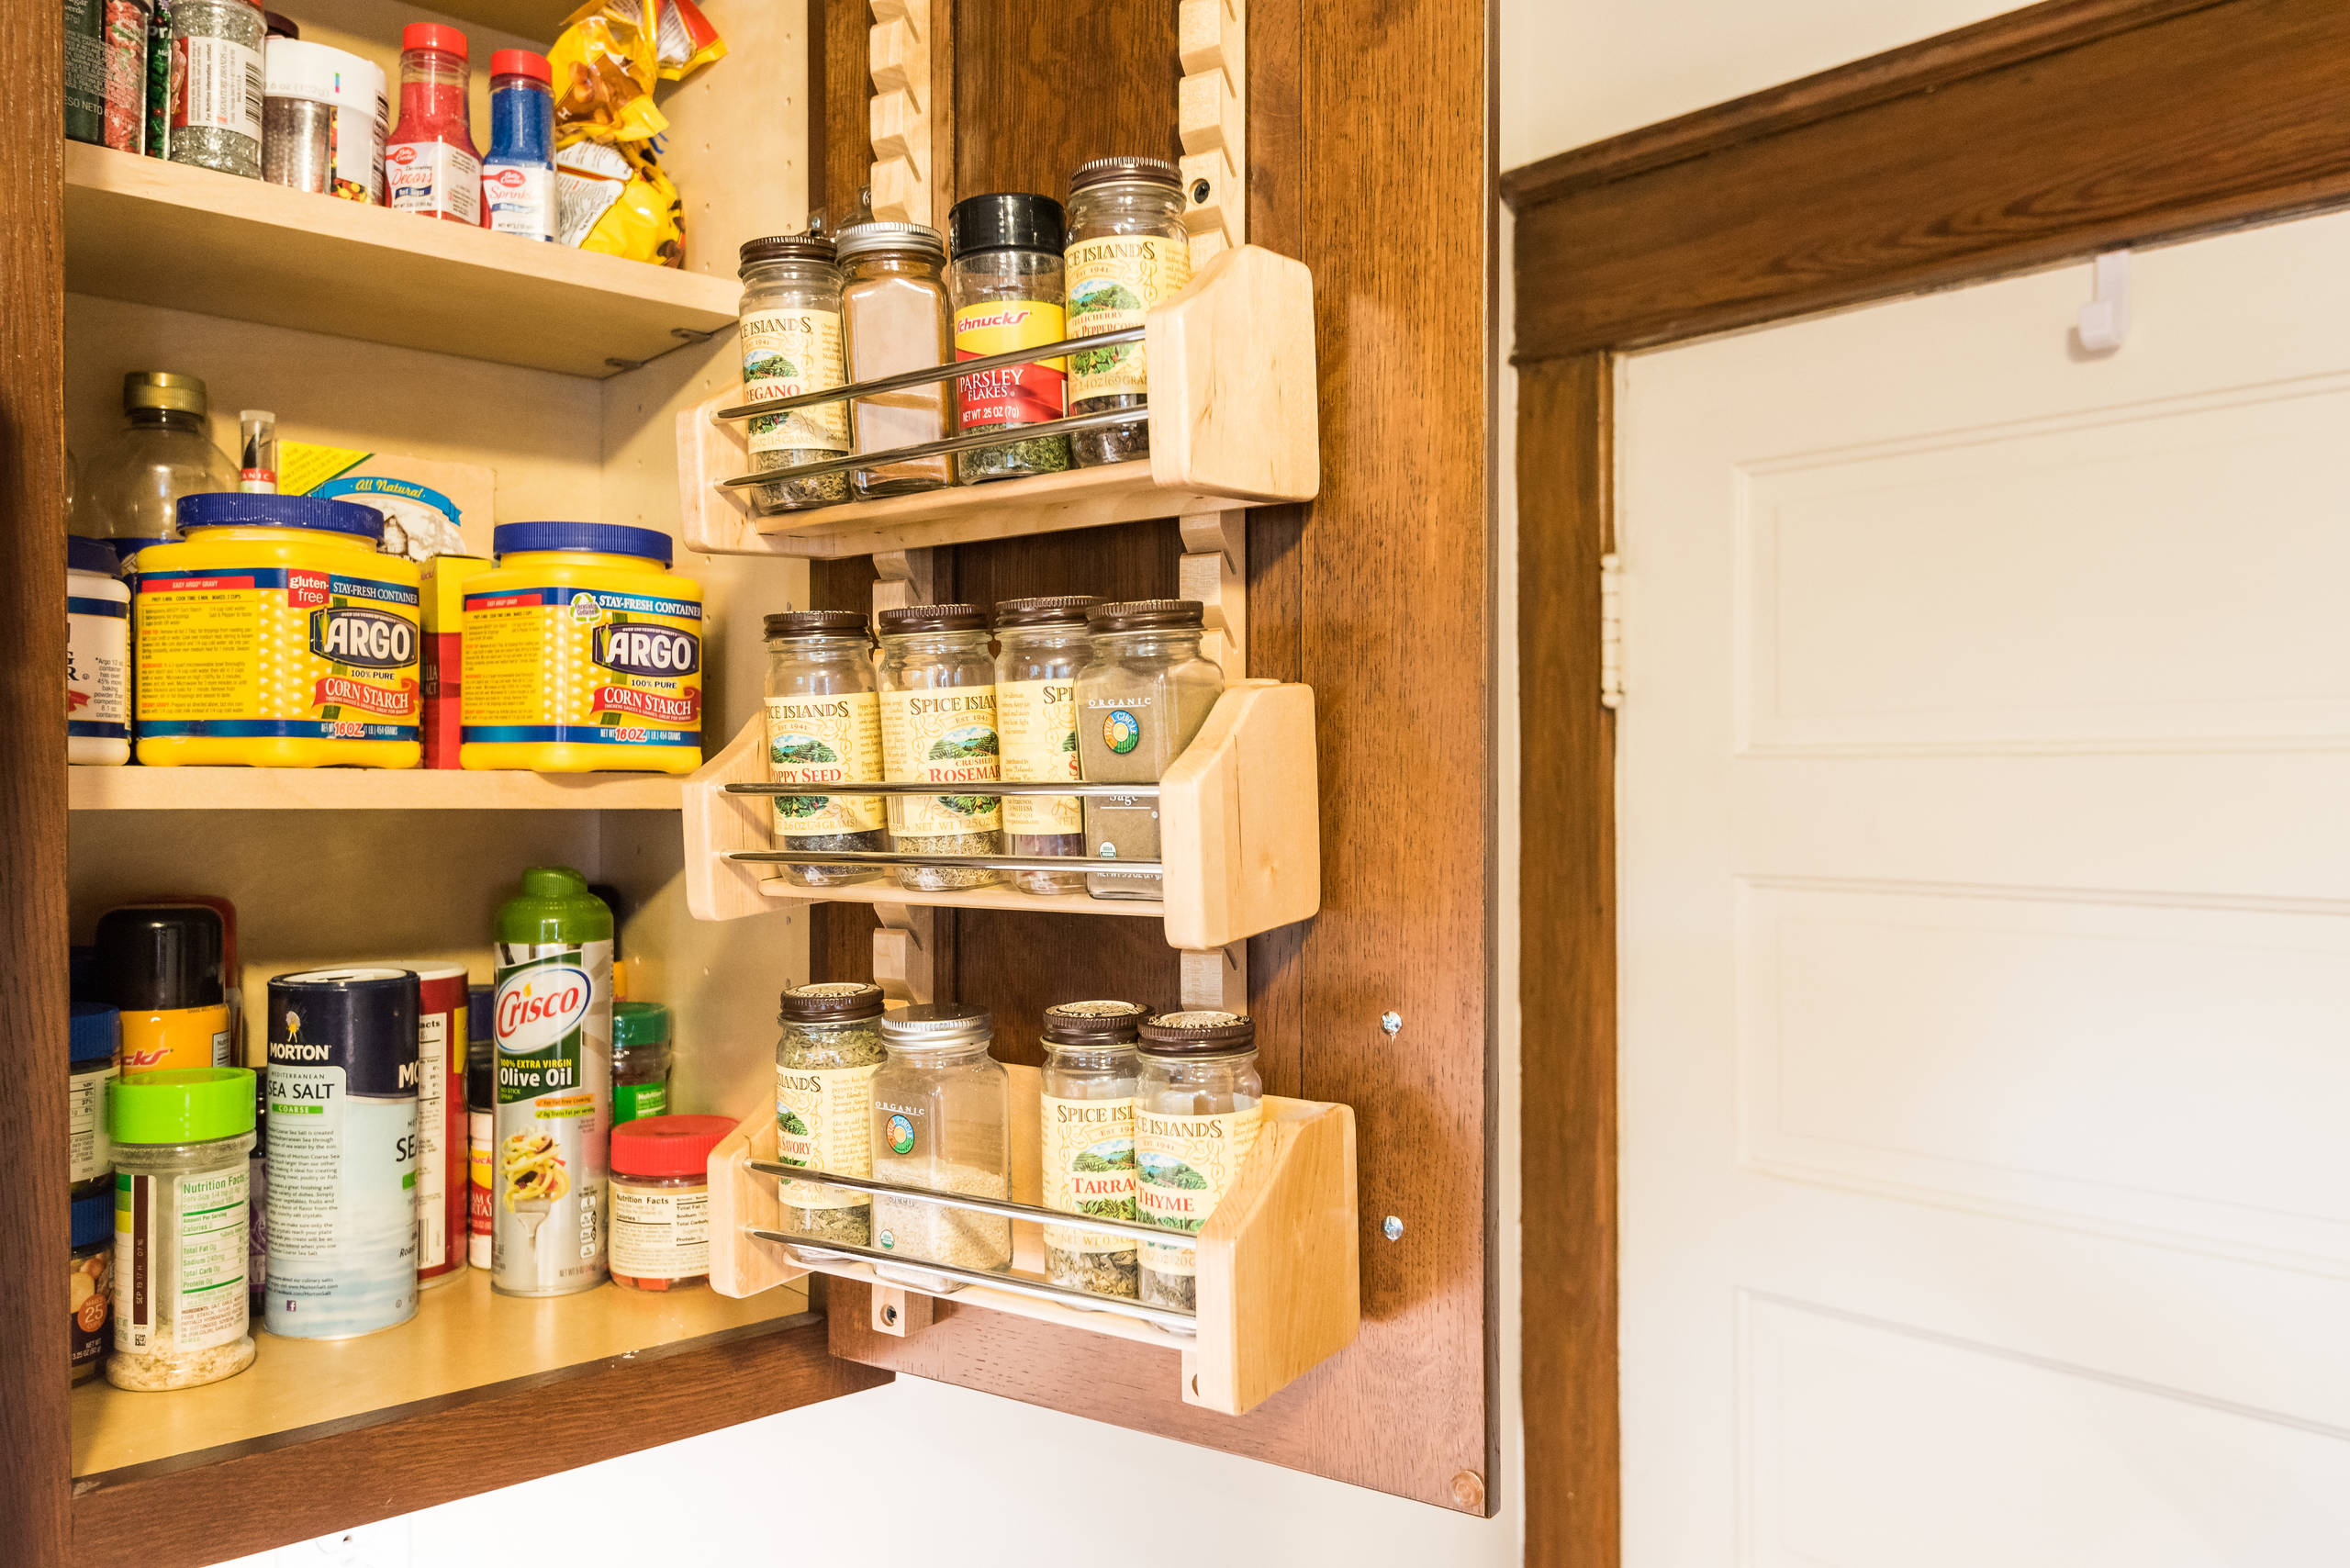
1087	1122
1197	1105
1041	644
941	1121
791	337
824	727
938	726
824	1062
894	317
1127	251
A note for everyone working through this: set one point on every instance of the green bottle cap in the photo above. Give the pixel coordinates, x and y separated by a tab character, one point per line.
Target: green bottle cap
552	882
639	1023
195	1106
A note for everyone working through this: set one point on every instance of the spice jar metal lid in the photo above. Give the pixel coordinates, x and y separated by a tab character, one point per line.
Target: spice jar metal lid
830	1002
162	390
1109	171
639	1023
932	1023
787	248
817	623
1198	1033
933	618
1093	1024
1007	220
856	238
667	1146
1068	609
1147	615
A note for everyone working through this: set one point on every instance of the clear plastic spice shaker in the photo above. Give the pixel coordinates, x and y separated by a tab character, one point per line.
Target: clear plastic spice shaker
824	1062
180	1220
938	726
895	317
1007	286
824	725
1087	1126
1041	644
942	1113
790	336
1198	1102
660	1193
1142	699
217	80
1127	251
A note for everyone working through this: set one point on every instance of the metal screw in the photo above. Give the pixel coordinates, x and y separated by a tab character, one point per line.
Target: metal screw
1393	1230
1199	191
889	1317
1391	1023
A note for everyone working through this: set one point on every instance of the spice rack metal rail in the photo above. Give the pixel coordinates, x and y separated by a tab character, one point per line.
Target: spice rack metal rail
1277	1287
1230	370
1238	829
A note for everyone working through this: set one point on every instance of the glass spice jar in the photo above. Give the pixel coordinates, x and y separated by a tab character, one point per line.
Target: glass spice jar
1007	286
790	338
660	1195
1087	1140
824	1062
218	76
1041	644
942	1117
181	1216
825	726
938	726
1127	251
641	1060
895	317
1198	1102
90	1284
1141	699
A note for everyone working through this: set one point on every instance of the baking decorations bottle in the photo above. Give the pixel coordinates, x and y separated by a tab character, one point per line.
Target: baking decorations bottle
518	177
430	165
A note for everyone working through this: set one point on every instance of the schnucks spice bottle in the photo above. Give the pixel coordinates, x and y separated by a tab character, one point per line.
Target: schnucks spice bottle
790	336
1007	286
430	164
1087	1123
824	727
1198	1102
1127	251
942	1116
1041	644
1139	703
824	1062
518	177
938	726
181	1192
661	1200
894	317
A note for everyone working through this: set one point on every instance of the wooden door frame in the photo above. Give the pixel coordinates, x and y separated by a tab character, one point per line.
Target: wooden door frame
2061	129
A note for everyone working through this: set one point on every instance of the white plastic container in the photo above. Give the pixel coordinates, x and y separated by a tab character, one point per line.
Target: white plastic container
362	113
97	655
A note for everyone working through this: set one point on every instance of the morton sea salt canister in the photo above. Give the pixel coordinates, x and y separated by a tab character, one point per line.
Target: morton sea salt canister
553	1027
342	1152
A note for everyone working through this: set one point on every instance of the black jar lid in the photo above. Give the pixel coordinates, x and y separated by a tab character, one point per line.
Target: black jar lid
933	618
1007	220
1107	171
157	959
1097	1026
1064	610
817	623
787	248
1200	1034
830	1002
1147	615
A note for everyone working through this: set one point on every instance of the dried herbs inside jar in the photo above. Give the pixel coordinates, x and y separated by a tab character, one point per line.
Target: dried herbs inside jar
824	1063
1197	1106
824	727
791	338
1087	1127
1006	281
938	726
1127	251
1041	644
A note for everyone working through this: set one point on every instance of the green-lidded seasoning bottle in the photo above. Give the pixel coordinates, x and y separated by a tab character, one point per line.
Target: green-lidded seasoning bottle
551	1032
1087	1122
641	1061
182	1200
824	1061
1197	1102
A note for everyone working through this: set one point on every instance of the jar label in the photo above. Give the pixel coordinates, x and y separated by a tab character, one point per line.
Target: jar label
1039	720
342	1219
824	740
941	736
201	1302
278	651
1089	1167
1184	1167
1112	283
89	1152
433	178
551	1024
660	1233
1017	394
91	1294
785	354
97	667
521	199
823	1121
630	1101
602	666
217	85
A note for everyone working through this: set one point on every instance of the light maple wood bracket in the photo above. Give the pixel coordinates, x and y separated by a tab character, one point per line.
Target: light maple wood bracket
898	49
905	945
1279	1282
1212	121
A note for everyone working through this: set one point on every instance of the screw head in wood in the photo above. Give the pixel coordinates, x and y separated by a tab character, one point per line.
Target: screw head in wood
890	1316
1391	1023
1199	192
1393	1230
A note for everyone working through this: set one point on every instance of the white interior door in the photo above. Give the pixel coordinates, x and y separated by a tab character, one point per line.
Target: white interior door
1985	861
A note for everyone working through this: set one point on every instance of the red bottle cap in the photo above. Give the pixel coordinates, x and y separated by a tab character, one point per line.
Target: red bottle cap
521	62
667	1146
432	35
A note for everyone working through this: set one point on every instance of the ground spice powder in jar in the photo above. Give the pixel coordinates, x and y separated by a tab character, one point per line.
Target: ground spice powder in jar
824	1063
1127	251
938	726
941	1121
1198	1104
824	727
895	317
660	1237
1087	1136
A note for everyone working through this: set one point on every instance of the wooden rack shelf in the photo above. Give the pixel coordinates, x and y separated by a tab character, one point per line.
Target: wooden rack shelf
1232	422
365	789
161	233
1239	831
1279	1282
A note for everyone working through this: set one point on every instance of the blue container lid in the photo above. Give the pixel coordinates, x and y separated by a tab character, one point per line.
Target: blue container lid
128	549
231	509
91	555
480	1010
603	538
97	1031
94	1217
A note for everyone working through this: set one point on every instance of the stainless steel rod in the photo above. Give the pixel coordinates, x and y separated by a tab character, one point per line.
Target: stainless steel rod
1003	435
929	374
1166	1318
968	862
1072	788
998	1206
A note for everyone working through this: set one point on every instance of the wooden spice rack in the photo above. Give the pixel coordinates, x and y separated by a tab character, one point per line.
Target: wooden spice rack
1233	421
1238	832
1279	1261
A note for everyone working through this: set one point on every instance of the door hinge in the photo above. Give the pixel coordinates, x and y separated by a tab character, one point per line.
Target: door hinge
1611	630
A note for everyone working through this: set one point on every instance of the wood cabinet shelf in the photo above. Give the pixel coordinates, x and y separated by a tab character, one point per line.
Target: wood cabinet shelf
364	789
161	233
